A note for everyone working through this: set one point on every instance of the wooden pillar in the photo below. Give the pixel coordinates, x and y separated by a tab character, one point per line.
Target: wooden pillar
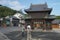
50	24
45	24
32	24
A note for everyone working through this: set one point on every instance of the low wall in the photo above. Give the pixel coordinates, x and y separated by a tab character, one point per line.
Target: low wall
55	26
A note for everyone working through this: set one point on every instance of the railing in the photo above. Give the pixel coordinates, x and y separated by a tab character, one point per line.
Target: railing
51	16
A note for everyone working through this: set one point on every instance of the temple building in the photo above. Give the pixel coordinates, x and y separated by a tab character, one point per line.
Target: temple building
39	16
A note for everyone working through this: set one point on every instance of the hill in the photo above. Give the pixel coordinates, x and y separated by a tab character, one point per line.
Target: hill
6	11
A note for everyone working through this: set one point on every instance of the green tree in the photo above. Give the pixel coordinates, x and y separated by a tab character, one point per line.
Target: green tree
6	11
57	17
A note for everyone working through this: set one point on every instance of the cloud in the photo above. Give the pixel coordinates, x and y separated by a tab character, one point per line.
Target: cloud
3	2
14	4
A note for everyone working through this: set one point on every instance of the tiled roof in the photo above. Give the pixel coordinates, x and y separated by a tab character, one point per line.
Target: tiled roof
38	7
49	17
56	21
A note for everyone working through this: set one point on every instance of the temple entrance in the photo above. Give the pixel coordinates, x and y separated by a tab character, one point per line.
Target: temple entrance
38	25
41	24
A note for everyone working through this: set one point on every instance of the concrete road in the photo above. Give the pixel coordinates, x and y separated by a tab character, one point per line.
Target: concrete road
45	36
16	35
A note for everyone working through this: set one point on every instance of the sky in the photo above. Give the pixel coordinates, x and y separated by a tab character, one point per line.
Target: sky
24	4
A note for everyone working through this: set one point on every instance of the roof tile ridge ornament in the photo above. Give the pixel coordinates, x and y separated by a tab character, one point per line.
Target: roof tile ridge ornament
39	4
46	4
30	6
